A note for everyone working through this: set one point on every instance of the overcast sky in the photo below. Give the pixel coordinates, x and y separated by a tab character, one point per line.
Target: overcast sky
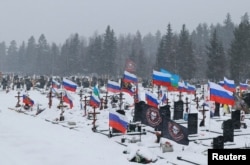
58	19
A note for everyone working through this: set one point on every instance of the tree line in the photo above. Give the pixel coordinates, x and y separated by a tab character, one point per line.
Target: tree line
208	52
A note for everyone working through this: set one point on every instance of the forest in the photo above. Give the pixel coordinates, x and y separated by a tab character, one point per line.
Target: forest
209	52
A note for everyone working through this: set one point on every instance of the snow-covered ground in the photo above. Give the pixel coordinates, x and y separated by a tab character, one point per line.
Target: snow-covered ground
30	139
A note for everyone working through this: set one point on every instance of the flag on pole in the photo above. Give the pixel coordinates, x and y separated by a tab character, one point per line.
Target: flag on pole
69	85
174	131
94	101
220	94
113	87
67	98
118	121
28	100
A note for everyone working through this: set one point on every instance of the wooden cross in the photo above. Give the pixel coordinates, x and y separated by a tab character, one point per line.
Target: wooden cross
18	99
50	98
61	105
167	102
106	100
203	91
102	103
196	100
85	105
186	103
180	95
120	99
94	118
80	94
202	123
158	91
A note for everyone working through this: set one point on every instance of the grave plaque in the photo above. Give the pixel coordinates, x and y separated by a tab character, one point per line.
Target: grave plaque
165	111
217	109
228	130
218	142
192	123
178	110
235	116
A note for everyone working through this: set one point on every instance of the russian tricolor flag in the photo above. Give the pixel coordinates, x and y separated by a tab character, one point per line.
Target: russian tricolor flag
28	100
118	121
94	101
68	99
151	99
160	78
229	85
129	77
55	84
113	86
191	88
220	94
69	85
182	87
243	86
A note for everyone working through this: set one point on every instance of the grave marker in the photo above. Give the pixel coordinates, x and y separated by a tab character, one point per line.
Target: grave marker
192	123
218	142
203	111
228	130
235	116
178	110
18	99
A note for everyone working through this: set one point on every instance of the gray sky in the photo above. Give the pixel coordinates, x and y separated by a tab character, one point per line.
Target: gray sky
58	19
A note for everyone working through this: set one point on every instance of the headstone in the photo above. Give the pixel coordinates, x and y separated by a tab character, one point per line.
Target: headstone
228	130
235	116
178	110
165	111
218	142
132	127
217	109
192	123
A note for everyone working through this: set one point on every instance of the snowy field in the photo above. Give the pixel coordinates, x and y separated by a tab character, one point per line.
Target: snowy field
30	139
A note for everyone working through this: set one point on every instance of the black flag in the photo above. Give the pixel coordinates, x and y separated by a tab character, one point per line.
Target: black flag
174	131
147	114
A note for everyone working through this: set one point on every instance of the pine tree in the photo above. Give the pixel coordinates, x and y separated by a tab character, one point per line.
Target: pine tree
2	56
216	59
185	59
240	51
109	53
30	55
42	59
12	57
21	54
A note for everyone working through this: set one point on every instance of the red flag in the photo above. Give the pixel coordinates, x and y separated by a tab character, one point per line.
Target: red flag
130	66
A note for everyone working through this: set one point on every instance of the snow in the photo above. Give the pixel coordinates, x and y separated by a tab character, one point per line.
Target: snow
28	139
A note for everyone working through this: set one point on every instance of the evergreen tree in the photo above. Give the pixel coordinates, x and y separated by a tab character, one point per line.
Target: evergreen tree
240	51
2	56
74	55
64	60
185	59
200	38
94	54
55	60
138	55
43	58
12	57
30	56
109	53
216	59
22	54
